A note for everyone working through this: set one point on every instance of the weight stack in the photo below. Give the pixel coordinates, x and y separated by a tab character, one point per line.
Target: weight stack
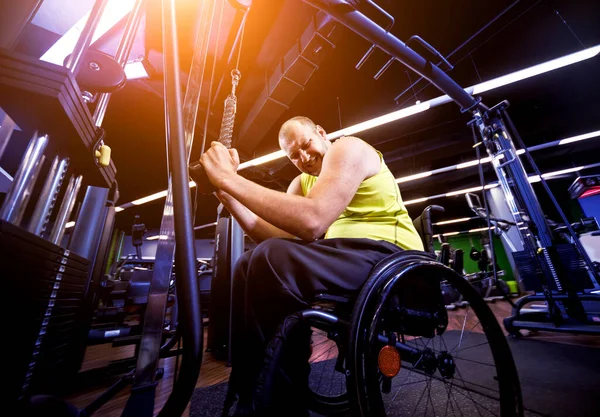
44	297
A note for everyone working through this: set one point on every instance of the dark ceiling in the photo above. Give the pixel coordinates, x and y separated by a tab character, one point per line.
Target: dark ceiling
483	39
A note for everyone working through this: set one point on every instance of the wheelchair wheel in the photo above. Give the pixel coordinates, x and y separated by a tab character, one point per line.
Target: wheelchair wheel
451	362
327	380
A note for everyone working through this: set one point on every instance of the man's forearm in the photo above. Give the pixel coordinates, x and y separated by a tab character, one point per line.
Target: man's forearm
290	213
256	228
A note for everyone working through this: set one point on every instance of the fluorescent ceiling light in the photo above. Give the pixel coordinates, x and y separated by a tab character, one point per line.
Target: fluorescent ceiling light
470	190
579	137
462	165
261	160
69	225
415	201
481	229
450	233
460	220
114	11
157	237
536	70
204	226
151	197
414	177
381	120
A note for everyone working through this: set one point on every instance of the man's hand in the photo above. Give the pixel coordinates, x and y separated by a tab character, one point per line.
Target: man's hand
220	163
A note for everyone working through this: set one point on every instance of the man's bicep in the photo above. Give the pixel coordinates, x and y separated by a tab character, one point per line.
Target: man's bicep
340	178
295	187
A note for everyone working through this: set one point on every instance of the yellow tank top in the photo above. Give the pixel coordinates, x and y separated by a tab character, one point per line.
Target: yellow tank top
376	212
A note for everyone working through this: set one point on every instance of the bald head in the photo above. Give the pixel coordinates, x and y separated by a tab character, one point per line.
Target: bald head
289	127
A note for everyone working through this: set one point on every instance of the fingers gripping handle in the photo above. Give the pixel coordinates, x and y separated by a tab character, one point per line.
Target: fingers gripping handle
196	170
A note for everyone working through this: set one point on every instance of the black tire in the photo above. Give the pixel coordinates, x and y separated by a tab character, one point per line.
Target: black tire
327	385
484	384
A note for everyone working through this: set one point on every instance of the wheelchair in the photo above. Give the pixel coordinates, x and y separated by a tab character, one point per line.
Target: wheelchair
394	349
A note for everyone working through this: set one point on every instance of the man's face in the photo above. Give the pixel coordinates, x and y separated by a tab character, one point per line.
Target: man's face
306	148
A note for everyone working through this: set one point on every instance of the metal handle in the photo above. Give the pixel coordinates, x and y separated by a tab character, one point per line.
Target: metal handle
431	49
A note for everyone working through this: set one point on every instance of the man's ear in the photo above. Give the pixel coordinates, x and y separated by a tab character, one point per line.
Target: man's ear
321	132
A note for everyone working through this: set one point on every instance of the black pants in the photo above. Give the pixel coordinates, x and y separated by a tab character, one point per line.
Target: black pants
282	276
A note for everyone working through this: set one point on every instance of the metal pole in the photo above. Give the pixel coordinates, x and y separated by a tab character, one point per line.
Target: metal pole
176	226
85	38
47	198
66	207
18	196
121	55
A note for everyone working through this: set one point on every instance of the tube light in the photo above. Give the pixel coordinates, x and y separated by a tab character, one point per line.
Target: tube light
157	237
470	190
204	226
536	70
414	177
579	137
381	120
261	160
415	201
565	141
460	220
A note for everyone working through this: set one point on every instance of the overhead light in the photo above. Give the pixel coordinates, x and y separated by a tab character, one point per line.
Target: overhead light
481	229
381	120
118	209
470	190
204	226
261	160
473	163
579	137
68	225
536	70
114	11
418	108
151	197
414	177
157	237
415	201
462	219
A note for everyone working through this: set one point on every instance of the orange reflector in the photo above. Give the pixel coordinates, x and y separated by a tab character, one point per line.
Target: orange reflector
389	361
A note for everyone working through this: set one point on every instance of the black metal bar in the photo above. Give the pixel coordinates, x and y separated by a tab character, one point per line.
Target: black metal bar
187	284
369	30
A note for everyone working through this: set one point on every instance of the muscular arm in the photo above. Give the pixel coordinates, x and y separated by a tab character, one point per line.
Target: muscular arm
345	166
256	228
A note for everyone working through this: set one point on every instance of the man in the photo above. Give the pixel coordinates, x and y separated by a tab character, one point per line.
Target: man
346	193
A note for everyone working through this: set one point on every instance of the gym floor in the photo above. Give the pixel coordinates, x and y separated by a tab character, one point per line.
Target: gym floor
214	371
